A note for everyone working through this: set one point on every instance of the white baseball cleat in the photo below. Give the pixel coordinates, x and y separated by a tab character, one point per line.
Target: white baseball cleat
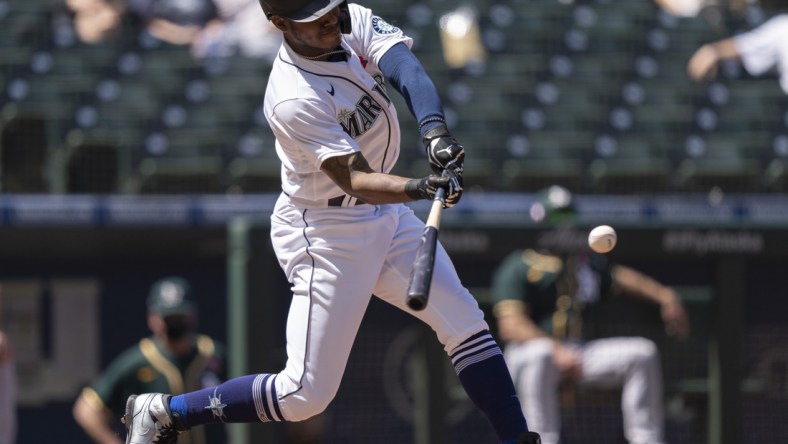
148	420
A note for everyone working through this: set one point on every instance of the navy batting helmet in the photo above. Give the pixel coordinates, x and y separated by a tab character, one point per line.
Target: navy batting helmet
300	10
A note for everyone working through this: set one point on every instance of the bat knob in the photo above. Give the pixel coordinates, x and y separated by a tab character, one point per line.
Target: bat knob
417	304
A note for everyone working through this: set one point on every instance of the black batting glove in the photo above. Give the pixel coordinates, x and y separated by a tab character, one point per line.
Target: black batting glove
426	187
443	150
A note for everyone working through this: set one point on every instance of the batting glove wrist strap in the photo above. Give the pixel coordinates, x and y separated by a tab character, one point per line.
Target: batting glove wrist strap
443	150
426	187
416	189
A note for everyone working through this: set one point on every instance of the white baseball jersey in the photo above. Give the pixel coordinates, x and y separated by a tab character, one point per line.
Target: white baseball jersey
319	110
766	47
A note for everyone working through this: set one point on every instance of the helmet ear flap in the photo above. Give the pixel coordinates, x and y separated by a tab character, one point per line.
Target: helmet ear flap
345	24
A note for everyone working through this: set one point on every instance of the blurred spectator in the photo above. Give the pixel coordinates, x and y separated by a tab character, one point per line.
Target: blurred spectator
7	388
543	301
760	50
684	8
692	8
174	359
174	21
242	28
213	28
96	20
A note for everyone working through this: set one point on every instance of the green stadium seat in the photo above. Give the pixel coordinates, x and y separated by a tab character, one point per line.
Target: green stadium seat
195	141
636	166
532	174
662	119
166	70
255	175
92	167
184	175
549	157
136	105
726	163
24	147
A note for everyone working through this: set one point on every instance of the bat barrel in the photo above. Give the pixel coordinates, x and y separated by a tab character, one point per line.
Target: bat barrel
421	277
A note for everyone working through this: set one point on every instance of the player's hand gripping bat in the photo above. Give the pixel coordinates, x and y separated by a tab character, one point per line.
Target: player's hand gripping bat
421	278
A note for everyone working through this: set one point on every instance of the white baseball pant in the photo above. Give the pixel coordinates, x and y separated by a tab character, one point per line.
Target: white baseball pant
336	259
630	363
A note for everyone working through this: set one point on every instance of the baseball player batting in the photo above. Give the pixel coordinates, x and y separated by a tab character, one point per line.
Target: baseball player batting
340	228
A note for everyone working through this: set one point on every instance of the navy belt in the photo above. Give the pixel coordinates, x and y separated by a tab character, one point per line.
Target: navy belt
337	201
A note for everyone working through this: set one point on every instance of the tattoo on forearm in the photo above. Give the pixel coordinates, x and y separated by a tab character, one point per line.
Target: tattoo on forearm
340	168
359	163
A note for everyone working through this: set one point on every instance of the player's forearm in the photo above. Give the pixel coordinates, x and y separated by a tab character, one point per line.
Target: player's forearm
379	188
172	32
514	325
703	63
93	423
635	283
724	49
353	174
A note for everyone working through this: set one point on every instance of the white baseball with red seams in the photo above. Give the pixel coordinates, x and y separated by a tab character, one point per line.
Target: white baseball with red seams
602	239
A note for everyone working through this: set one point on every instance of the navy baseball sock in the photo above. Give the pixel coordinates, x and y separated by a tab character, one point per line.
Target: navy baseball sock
482	371
250	398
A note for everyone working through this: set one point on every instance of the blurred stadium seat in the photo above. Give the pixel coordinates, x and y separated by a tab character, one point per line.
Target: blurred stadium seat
629	164
718	160
92	168
23	154
186	175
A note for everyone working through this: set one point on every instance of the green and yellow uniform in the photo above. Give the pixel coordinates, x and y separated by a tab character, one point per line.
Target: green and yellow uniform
148	367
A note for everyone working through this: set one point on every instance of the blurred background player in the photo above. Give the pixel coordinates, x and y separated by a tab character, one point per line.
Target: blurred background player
7	387
760	50
542	299
175	358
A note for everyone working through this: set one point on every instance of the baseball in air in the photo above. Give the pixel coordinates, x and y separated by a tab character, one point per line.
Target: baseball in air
602	239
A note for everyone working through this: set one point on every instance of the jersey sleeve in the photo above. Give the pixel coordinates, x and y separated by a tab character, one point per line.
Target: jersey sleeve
308	131
371	35
761	48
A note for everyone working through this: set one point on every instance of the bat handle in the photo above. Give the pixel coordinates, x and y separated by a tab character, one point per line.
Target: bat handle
433	220
440	195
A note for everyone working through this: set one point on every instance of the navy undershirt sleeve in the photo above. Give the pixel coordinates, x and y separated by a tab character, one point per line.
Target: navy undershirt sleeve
405	73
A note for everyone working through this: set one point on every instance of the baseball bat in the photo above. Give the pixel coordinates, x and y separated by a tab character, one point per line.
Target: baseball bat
421	278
